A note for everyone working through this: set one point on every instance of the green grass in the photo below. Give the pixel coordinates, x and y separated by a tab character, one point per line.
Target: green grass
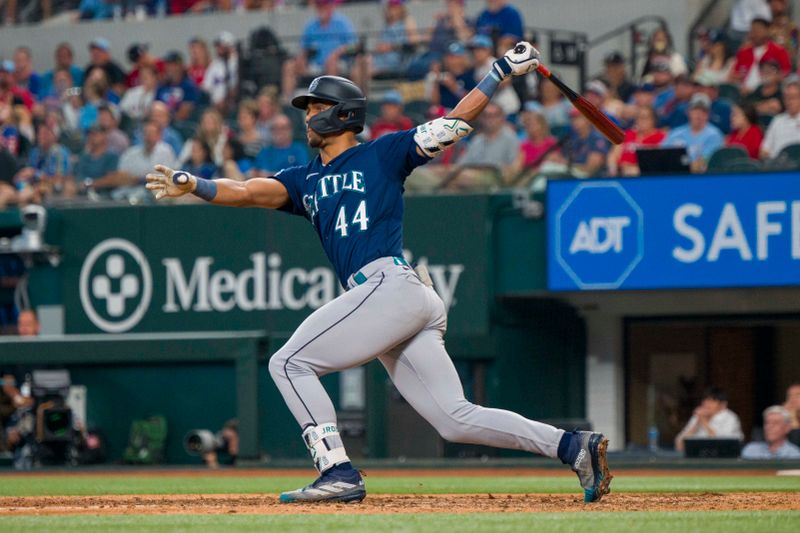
122	484
708	522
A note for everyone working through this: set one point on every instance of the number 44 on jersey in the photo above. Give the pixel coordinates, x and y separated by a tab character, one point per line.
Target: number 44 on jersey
360	219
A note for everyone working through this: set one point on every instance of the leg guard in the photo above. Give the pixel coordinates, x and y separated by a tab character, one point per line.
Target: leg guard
325	445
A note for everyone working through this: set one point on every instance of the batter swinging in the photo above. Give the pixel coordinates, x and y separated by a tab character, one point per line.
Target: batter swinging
353	196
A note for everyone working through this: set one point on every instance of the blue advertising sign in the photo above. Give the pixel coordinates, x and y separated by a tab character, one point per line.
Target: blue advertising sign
674	232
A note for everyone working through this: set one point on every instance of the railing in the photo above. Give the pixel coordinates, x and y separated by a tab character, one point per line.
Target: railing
636	40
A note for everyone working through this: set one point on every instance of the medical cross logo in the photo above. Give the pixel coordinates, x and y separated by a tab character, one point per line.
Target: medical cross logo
115	285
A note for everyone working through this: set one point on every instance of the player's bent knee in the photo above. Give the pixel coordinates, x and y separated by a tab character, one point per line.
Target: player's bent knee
276	365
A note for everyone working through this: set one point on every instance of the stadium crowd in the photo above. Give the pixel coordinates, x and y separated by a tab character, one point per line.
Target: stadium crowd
93	131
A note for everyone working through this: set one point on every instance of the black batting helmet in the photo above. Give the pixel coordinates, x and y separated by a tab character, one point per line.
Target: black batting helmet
349	111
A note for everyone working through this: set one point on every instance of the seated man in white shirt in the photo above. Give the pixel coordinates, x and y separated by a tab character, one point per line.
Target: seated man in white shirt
784	128
777	425
711	420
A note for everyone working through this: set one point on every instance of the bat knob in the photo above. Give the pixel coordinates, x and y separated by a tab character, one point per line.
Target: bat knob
520	48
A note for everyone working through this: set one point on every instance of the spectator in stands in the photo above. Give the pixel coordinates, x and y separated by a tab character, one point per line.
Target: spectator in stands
792	404
717	64
100	57
64	59
97	160
95	9
674	111
749	57
8	168
159	113
538	142
700	137
596	92
720	107
10	93
249	134
661	50
622	160
95	93
213	131
179	7
65	98
135	163
178	90
768	98
501	22
323	44
199	60
139	56
48	169
555	107
268	108
711	419
236	165
200	162
482	59
222	76
783	30
283	151
664	85
10	136
496	146
28	323
392	118
108	119
137	100
399	30
742	15
615	76
585	150
746	131
449	82
777	425
452	25
784	128
24	75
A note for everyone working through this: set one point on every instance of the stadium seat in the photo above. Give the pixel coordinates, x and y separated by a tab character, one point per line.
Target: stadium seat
792	153
724	157
730	91
739	166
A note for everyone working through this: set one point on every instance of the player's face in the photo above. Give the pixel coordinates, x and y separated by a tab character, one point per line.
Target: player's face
314	108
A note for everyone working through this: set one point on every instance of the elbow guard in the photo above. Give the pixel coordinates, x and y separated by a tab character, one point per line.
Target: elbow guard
436	135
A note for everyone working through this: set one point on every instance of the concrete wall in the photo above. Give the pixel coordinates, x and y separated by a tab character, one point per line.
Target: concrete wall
590	16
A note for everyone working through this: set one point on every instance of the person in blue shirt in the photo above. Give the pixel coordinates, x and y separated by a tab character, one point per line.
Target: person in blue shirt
585	151
177	90
776	445
719	113
700	138
352	195
324	42
201	162
64	58
282	151
453	79
502	22
48	168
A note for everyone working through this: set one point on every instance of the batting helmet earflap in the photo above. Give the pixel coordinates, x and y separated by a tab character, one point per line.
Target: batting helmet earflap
349	111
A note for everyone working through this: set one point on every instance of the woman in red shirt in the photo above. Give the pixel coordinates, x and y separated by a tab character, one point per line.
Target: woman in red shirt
746	131
538	140
622	159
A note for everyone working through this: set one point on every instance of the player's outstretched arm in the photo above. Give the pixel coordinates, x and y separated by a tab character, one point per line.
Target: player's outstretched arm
435	136
518	61
256	192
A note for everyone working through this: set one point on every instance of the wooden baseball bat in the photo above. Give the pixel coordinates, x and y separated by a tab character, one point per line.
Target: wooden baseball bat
604	125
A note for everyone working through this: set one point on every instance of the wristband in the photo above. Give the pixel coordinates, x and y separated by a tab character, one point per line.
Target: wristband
205	189
488	85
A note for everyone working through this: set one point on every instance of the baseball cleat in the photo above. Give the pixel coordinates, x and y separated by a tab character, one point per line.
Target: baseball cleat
332	486
591	465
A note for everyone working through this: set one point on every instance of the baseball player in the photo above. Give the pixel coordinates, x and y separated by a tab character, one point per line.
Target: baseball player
352	194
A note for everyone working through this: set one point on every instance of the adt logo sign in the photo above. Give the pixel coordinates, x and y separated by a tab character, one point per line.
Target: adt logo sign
115	285
599	235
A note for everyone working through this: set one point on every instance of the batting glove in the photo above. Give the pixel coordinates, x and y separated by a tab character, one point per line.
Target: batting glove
170	183
520	60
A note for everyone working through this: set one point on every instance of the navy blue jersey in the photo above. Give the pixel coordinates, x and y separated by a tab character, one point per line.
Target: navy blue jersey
355	202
